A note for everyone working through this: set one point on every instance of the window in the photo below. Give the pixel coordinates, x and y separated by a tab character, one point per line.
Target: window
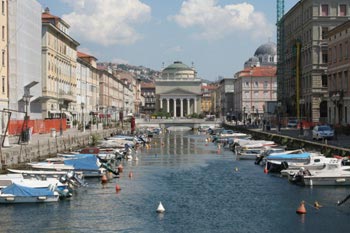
256	84
346	50
324	80
3	58
324	32
247	84
324	10
256	93
324	58
3	7
3	33
3	84
266	84
342	10
340	52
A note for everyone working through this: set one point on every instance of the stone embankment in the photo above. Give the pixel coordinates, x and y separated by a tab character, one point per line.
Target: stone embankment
293	142
44	146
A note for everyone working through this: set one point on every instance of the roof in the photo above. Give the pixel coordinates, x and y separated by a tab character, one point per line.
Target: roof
177	65
84	55
269	48
263	71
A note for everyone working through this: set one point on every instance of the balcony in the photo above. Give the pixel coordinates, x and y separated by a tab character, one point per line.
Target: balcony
67	96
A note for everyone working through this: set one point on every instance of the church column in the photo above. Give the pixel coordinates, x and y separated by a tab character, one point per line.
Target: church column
174	107
161	103
188	106
195	105
182	107
167	105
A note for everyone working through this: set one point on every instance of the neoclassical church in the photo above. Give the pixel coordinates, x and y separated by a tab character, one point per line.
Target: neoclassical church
178	90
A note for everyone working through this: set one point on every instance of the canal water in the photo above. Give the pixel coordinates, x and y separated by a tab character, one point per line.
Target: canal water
203	189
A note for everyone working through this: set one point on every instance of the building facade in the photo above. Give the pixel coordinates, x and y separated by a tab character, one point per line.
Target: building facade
59	65
148	91
24	54
4	64
254	87
226	88
303	60
207	99
338	74
178	90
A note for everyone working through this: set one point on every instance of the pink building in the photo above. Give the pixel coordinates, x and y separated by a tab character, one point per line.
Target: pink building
253	87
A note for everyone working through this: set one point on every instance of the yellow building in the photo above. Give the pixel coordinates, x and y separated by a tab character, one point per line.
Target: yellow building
59	61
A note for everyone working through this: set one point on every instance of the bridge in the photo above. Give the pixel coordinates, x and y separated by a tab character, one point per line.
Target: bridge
177	122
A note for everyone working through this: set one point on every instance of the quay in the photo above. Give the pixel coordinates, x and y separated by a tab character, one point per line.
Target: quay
42	146
291	138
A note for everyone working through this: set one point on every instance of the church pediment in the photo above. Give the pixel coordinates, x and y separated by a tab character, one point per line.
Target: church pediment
179	91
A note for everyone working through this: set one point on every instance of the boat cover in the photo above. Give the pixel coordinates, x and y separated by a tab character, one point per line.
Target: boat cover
289	156
85	163
23	191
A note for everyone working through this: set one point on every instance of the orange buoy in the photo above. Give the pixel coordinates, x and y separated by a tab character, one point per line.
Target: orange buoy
301	209
104	179
130	175
120	168
265	170
117	188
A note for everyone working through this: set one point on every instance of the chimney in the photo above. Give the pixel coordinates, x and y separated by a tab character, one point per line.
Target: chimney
47	10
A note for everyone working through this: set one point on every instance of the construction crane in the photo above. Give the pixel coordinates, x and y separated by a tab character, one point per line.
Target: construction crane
280	49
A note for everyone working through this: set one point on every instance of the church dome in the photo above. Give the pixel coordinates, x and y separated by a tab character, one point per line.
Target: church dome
178	70
269	48
177	66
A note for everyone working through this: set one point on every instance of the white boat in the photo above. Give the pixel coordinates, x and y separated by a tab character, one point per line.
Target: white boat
334	173
250	149
276	162
315	162
16	193
88	165
28	181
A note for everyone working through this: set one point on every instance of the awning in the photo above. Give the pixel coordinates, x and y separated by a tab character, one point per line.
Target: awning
93	113
102	115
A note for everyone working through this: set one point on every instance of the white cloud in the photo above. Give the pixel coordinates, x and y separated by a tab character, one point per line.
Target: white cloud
107	22
215	21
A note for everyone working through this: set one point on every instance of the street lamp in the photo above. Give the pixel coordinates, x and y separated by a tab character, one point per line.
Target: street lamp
82	116
25	133
279	104
244	116
60	103
336	98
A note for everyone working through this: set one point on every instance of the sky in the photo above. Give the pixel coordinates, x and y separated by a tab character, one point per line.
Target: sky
215	36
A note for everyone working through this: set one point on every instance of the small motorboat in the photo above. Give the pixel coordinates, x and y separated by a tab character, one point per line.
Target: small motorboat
16	193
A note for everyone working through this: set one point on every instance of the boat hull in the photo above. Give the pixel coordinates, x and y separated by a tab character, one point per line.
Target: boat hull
9	199
326	181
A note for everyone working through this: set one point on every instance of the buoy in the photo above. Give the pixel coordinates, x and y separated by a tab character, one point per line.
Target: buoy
130	175
160	208
317	205
117	188
104	179
265	170
301	209
120	168
236	169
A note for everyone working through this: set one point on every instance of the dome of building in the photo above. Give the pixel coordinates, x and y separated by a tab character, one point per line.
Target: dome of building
269	48
253	61
177	65
178	70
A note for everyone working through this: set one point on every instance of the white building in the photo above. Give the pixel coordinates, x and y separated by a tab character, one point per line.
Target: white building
24	40
178	90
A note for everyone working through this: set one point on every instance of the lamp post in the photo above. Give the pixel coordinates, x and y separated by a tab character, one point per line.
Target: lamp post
336	97
82	116
25	133
60	103
244	116
279	104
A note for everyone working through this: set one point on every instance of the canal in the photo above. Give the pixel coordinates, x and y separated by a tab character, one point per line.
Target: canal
203	189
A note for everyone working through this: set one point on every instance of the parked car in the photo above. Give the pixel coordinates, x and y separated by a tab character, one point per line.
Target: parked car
292	123
322	132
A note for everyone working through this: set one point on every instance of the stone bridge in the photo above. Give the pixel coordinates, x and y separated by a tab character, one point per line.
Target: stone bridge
176	122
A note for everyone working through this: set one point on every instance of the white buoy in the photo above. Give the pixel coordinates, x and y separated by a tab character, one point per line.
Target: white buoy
160	208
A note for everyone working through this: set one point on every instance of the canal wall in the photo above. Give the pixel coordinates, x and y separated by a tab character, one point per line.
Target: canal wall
42	147
292	142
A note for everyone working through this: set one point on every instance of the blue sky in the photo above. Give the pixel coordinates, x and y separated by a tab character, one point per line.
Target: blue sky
218	36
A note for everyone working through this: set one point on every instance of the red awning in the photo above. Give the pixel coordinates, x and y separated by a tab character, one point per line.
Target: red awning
102	115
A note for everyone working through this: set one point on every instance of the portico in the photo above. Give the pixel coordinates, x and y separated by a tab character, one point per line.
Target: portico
179	106
178	91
